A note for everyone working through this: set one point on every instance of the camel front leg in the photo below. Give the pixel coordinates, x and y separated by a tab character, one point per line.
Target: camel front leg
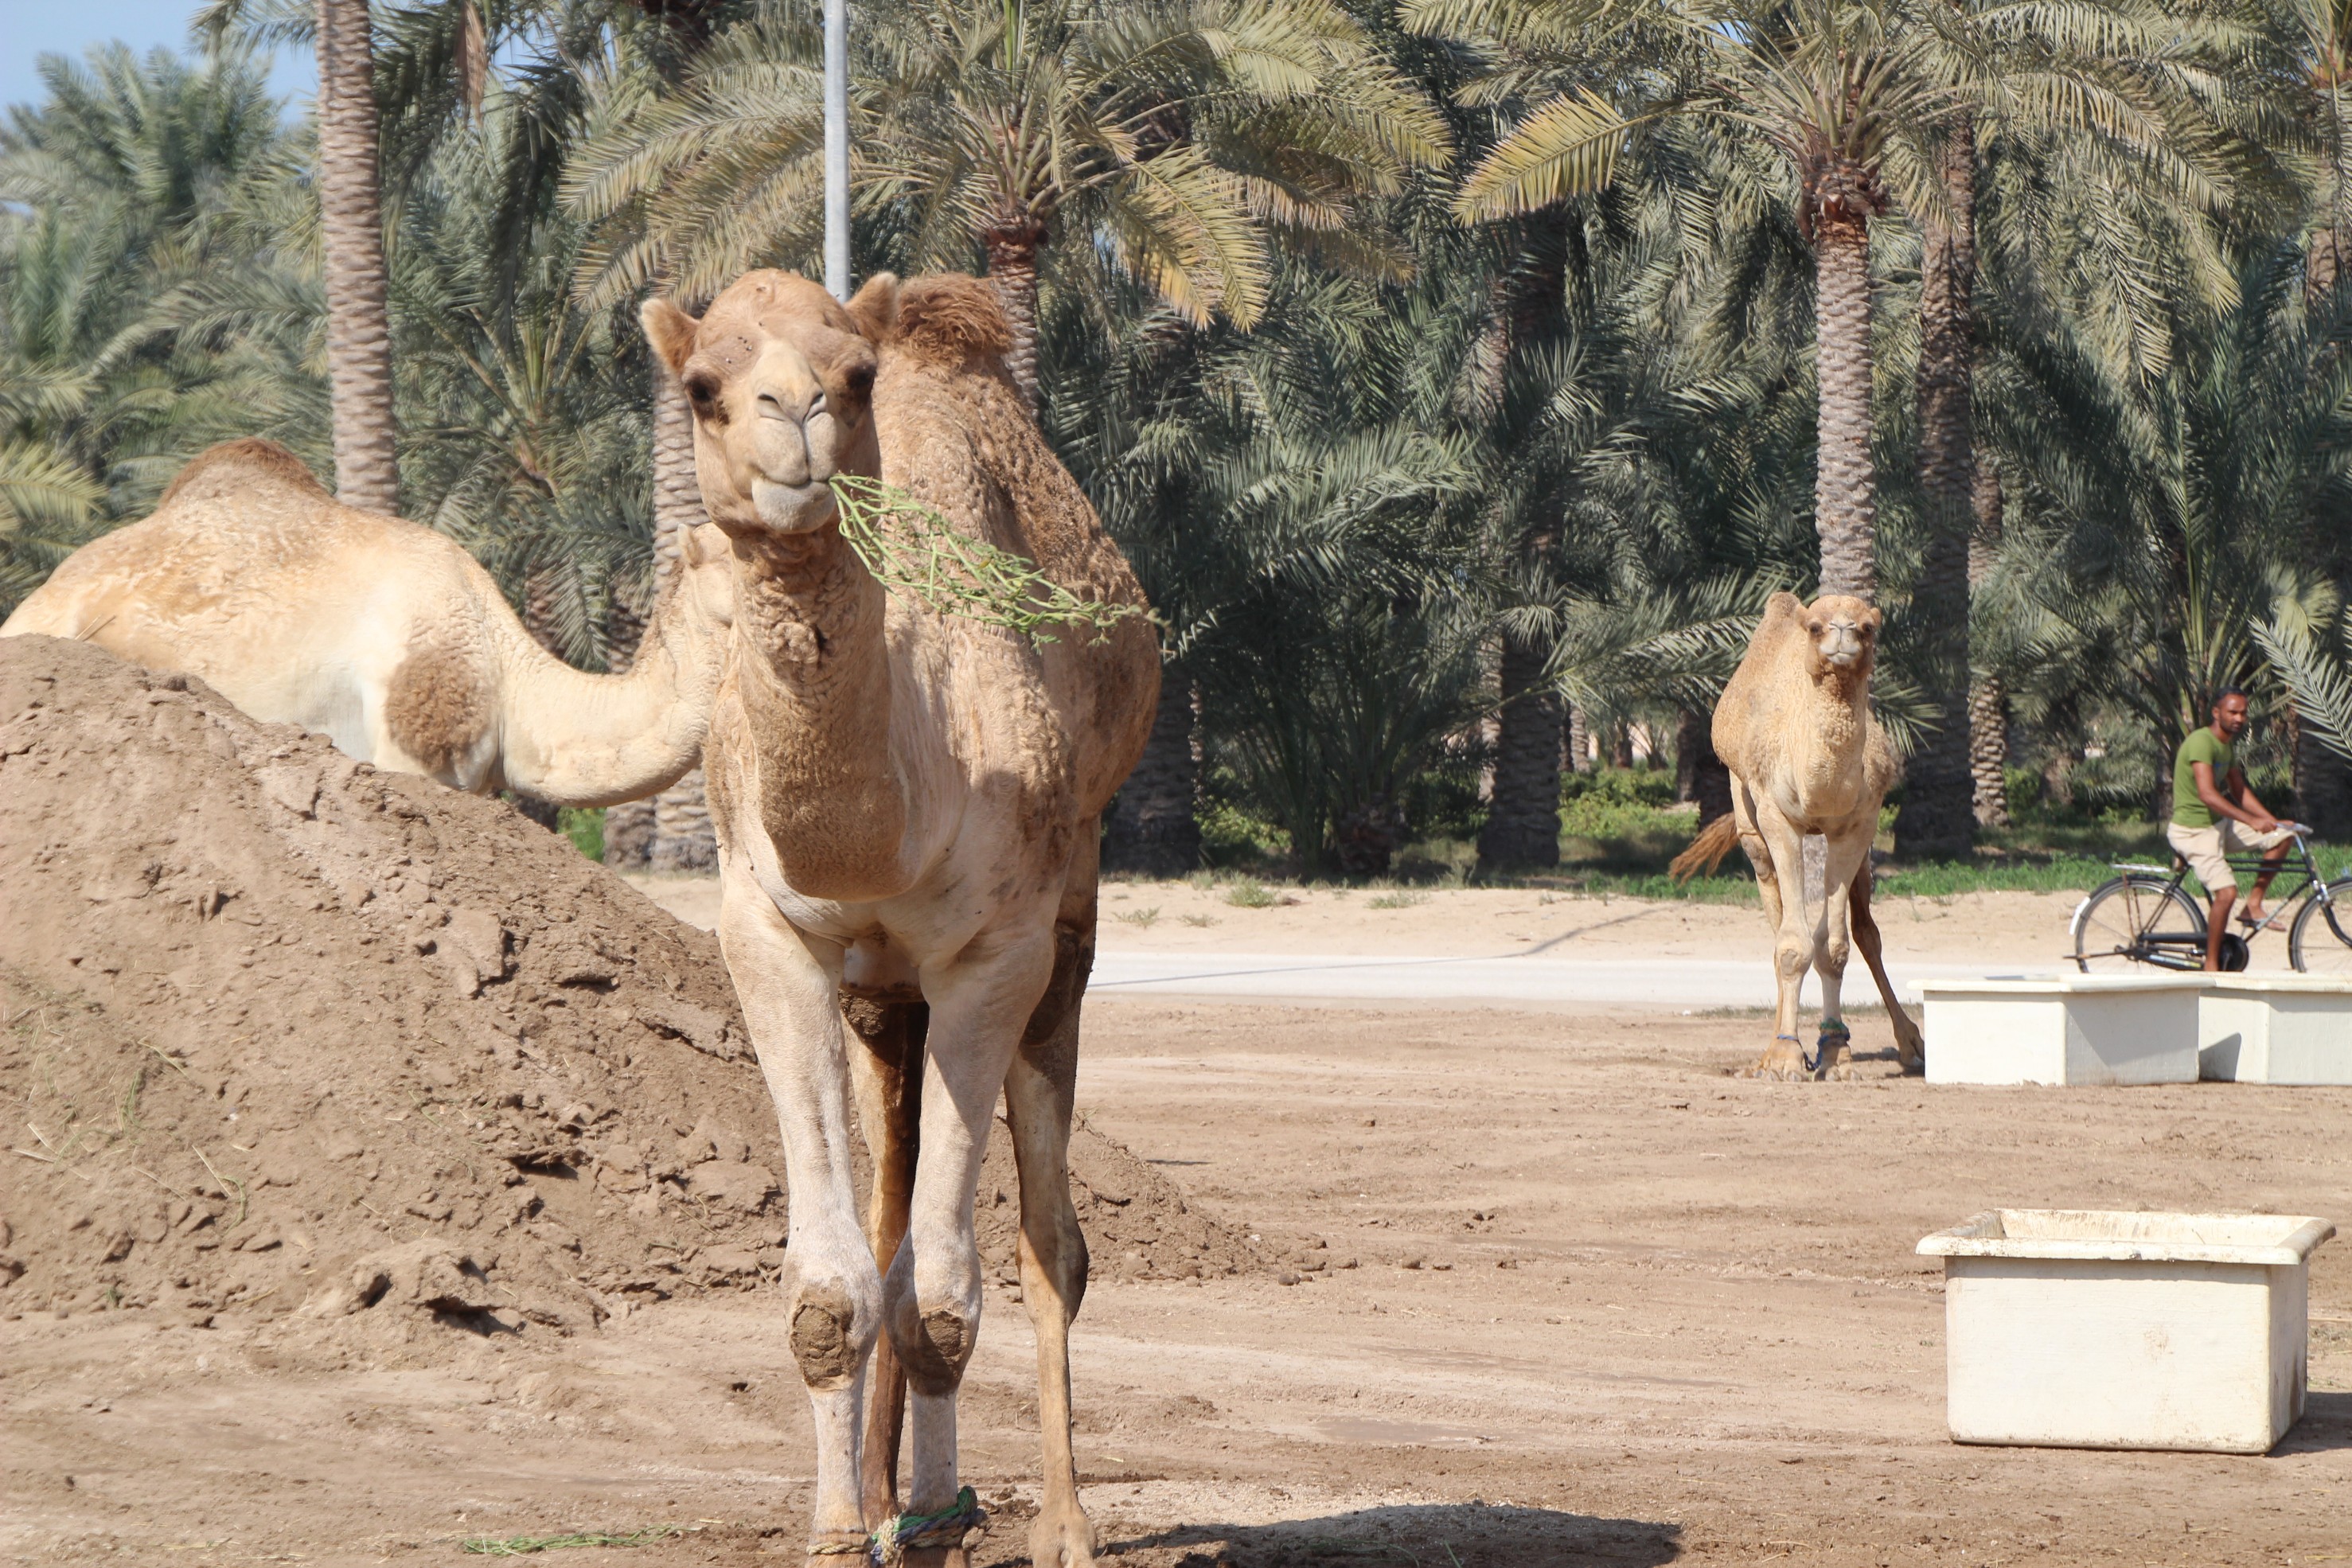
1910	1048
1845	861
889	1076
788	983
1039	1094
1771	841
979	1001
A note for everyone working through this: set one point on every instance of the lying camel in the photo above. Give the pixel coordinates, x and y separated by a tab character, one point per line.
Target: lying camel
908	807
386	636
1807	756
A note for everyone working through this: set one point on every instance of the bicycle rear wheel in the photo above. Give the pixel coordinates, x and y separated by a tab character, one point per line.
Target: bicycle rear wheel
2136	923
2321	941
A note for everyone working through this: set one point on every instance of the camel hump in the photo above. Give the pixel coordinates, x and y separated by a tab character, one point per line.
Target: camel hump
234	469
949	318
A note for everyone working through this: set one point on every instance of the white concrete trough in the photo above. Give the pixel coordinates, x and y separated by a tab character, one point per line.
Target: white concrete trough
2081	1329
2062	1029
2275	1028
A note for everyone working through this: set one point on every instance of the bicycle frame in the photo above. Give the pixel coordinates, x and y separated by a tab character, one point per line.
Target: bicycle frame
2190	946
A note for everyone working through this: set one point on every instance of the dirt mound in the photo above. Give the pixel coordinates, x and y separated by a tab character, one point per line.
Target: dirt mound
286	1035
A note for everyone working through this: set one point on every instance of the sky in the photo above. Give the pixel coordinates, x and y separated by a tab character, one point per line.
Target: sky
31	28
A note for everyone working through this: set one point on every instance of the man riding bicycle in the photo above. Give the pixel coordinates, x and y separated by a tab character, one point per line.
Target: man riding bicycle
2216	814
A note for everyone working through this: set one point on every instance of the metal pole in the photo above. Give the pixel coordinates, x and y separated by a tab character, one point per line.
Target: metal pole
837	148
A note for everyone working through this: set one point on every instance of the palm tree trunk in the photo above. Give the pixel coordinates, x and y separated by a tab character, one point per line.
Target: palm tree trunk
1937	821
1150	828
1012	268
1579	741
1988	698
1699	774
2322	782
359	329
1845	487
671	831
682	838
2324	260
1522	830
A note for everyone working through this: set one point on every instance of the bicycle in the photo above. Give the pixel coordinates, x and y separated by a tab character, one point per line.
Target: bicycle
2144	917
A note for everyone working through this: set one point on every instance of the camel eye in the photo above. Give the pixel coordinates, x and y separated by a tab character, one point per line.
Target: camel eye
858	379
702	391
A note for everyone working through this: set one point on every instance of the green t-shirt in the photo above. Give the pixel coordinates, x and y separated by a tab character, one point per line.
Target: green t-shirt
2204	746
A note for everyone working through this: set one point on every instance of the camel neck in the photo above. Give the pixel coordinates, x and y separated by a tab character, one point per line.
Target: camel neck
814	678
577	739
1842	698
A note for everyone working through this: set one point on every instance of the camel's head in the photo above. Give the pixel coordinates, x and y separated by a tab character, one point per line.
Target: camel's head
1843	632
781	376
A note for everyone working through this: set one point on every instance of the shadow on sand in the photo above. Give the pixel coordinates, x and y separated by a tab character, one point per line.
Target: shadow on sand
1435	1535
2327	1425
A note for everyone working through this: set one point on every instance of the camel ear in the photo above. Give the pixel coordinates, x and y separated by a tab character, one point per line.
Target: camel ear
669	330
874	308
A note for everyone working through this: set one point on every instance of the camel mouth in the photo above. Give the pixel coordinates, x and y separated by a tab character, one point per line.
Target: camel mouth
794	508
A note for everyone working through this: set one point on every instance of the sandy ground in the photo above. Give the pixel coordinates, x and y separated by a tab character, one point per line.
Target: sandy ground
1606	1305
2001	929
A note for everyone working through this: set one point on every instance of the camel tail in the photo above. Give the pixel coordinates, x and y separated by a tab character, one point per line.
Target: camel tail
1707	850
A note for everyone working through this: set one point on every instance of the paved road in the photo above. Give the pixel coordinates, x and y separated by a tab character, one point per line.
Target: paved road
1665	982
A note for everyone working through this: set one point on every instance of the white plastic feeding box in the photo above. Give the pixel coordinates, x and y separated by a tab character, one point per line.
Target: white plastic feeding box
2062	1029
2080	1329
2277	1029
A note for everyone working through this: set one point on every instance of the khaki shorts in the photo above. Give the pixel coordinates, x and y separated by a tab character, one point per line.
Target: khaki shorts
2205	848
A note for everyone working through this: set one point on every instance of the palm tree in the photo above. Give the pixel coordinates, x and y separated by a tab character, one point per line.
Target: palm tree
1853	97
155	290
1187	137
351	228
1296	500
2168	516
524	409
2314	76
2125	83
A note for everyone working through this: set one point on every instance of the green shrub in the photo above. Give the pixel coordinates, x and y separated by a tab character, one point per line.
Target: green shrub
585	827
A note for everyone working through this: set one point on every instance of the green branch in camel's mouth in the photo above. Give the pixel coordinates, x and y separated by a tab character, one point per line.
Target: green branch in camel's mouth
916	554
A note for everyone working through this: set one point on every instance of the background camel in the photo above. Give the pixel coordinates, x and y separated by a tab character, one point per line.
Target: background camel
1807	756
385	637
908	809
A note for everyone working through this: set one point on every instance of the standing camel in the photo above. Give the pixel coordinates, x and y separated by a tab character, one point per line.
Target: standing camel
908	809
1807	756
385	637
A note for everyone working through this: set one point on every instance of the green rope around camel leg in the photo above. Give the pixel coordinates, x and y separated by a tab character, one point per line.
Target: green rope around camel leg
1833	1030
916	1531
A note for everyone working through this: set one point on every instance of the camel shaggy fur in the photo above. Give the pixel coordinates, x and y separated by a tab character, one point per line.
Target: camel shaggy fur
385	637
1807	756
908	809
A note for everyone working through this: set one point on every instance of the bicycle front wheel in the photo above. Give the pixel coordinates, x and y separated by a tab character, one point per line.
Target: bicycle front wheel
2321	941
2137	923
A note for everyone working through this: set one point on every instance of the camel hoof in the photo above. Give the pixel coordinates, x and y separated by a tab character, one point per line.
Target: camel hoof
1062	1539
1779	1072
918	1557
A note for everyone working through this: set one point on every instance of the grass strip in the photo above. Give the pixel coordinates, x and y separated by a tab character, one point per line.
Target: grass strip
525	1545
